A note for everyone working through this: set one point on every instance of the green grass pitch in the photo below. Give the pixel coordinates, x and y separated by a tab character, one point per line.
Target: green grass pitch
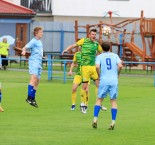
53	123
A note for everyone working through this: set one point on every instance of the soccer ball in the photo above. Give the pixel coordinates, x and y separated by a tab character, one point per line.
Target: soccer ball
106	31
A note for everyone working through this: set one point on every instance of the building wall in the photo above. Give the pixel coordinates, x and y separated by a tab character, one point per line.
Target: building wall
17	2
87	20
130	8
8	29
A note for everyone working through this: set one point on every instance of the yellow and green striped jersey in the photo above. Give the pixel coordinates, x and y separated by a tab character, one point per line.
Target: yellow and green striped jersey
88	51
77	59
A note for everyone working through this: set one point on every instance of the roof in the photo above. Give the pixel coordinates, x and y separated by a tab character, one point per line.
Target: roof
10	9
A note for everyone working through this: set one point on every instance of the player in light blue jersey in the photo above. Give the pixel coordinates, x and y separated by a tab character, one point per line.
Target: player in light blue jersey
108	66
35	46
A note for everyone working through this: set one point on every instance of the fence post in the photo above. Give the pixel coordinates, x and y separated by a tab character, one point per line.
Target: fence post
49	64
62	41
64	72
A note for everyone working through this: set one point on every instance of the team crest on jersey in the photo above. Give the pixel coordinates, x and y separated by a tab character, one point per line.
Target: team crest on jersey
84	79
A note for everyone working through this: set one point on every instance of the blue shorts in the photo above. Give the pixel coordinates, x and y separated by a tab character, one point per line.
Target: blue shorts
35	68
104	90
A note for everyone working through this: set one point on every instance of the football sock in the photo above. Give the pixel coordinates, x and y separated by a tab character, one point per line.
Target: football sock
96	110
87	98
83	96
82	104
73	98
33	94
30	90
113	113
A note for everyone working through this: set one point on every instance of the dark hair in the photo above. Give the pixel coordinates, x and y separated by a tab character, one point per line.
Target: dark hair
36	29
93	30
105	46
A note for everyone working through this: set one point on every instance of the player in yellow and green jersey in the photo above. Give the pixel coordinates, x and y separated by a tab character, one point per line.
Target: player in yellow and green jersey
89	48
76	83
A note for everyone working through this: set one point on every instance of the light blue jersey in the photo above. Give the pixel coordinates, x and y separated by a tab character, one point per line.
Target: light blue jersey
35	60
108	62
36	48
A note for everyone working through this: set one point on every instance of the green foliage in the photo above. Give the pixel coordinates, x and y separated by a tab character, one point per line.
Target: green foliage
53	123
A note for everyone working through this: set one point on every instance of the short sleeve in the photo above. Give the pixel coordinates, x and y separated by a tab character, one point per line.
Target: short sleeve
30	44
99	48
97	61
80	42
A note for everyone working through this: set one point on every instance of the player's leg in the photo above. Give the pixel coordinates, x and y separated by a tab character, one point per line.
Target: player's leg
85	79
97	108
83	93
73	96
76	83
87	96
113	95
113	113
94	76
102	93
34	81
35	72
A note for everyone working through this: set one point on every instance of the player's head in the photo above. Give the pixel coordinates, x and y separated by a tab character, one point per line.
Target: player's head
4	40
92	34
106	46
38	32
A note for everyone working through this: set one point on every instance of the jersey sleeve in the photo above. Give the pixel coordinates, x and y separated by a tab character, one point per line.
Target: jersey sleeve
99	48
30	44
80	42
97	61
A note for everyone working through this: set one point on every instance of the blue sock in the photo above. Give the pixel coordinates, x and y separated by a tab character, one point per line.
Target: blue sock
113	113
30	91
96	110
0	97
33	94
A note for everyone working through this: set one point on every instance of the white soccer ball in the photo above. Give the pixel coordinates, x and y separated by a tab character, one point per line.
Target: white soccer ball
106	31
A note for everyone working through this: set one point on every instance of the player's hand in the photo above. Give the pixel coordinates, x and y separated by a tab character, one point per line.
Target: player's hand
70	73
23	52
65	51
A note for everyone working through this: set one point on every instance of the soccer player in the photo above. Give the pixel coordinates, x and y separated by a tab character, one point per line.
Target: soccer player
108	66
76	83
89	48
35	64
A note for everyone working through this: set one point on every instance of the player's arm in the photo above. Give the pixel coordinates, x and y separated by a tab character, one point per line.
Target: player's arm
69	48
120	66
98	70
97	62
78	43
24	50
99	51
28	46
72	65
71	68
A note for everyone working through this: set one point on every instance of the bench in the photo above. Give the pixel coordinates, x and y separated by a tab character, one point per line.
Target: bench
18	52
152	67
66	57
